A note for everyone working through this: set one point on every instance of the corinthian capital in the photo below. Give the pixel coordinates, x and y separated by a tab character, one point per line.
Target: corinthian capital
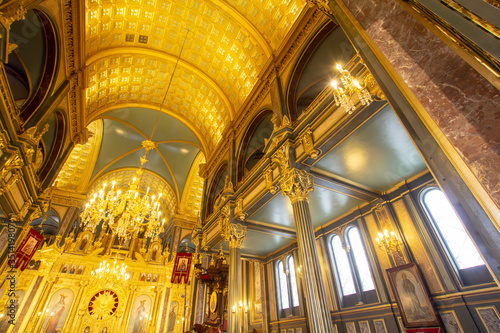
297	184
237	234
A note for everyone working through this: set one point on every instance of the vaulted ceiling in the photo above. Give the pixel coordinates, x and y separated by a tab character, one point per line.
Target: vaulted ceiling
218	49
131	48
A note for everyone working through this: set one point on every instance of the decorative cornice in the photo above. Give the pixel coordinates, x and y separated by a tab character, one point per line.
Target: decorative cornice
71	39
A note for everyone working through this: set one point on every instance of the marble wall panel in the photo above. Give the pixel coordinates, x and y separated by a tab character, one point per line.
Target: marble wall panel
463	104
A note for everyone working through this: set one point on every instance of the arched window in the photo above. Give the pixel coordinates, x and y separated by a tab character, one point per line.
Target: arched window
451	233
287	286
293	282
352	268
282	286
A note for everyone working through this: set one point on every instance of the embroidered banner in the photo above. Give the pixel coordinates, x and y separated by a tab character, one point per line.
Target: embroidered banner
27	249
182	266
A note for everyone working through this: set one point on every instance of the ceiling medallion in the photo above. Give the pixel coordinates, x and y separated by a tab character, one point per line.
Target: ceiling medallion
103	304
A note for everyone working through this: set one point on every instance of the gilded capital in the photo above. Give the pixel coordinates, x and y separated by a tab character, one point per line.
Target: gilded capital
297	184
237	234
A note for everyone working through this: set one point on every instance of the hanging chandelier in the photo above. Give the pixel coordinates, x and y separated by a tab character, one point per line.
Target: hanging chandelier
349	86
126	213
130	212
106	274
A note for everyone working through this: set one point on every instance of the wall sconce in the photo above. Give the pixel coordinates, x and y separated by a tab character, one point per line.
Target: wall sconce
390	244
350	86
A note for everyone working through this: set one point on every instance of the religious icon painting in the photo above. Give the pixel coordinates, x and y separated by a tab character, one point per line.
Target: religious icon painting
65	268
58	310
140	315
84	242
413	303
155	277
213	301
79	271
172	317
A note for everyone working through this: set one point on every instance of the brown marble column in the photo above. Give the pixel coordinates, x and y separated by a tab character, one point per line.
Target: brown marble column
458	101
297	184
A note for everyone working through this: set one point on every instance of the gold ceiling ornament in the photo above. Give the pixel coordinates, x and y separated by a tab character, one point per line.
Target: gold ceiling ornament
350	86
107	275
128	213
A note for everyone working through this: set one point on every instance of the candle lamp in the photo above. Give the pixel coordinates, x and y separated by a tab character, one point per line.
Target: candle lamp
390	244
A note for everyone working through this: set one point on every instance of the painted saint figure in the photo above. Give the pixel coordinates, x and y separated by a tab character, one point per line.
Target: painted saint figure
141	317
55	315
417	312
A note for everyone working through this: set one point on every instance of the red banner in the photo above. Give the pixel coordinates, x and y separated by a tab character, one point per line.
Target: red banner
27	248
182	267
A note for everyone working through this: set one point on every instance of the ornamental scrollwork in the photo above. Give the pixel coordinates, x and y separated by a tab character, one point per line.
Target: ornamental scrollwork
308	142
297	184
282	157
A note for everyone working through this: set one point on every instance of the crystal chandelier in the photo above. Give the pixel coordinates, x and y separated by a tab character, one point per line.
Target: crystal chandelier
128	212
107	274
350	86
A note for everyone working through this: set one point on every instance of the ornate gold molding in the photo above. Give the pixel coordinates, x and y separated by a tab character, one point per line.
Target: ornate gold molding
237	234
297	184
322	5
282	157
268	177
308	142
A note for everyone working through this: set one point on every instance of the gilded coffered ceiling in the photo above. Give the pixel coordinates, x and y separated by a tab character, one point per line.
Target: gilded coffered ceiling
132	46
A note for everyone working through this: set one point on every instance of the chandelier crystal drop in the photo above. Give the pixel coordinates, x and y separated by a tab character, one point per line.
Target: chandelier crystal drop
107	274
350	86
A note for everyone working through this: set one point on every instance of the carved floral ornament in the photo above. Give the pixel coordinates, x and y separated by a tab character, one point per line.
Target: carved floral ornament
297	184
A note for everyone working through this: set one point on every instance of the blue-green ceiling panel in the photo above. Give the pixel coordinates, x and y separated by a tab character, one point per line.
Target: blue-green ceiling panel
261	244
278	211
378	155
118	139
168	127
180	157
155	164
325	205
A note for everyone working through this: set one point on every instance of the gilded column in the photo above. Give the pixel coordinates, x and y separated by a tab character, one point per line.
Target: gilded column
39	315
235	234
297	184
127	308
72	316
156	309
